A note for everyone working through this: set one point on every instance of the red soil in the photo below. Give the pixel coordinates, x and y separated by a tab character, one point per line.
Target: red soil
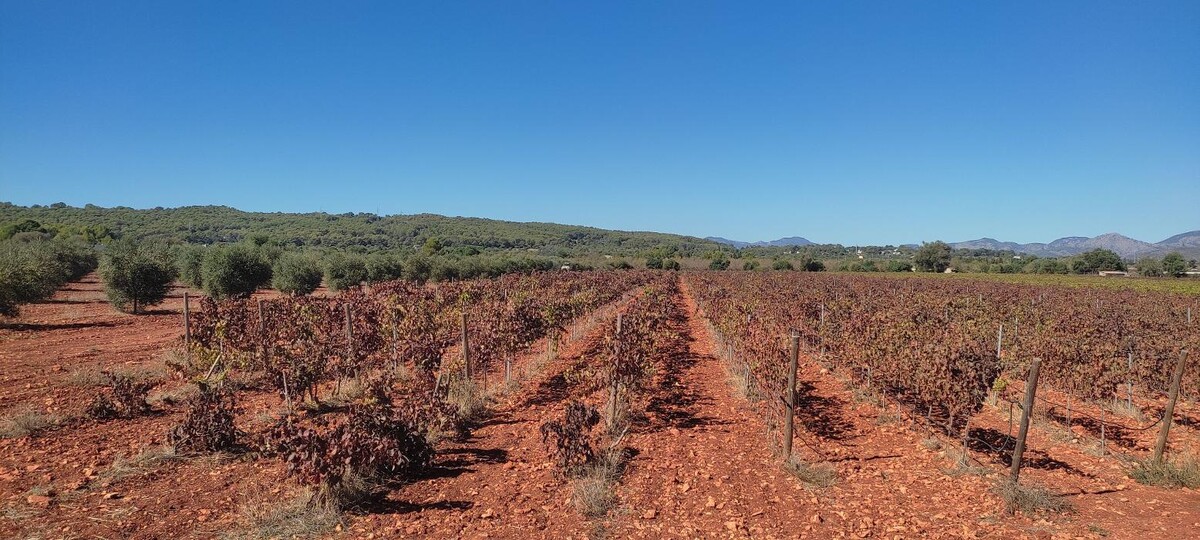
701	464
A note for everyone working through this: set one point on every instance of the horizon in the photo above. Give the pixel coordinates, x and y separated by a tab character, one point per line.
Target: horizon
815	242
855	123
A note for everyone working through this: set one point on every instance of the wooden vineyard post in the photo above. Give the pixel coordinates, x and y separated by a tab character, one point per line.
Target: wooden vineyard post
349	330
466	347
821	332
1103	424
999	340
1026	411
1010	418
262	331
187	324
507	371
1170	411
789	419
747	380
1129	380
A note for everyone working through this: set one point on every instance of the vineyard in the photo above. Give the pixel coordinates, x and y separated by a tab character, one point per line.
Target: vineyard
941	348
628	403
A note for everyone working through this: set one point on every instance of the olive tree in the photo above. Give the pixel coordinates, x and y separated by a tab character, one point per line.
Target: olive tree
136	276
344	270
234	271
296	274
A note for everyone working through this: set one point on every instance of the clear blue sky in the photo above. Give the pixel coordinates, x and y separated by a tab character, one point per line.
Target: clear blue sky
877	122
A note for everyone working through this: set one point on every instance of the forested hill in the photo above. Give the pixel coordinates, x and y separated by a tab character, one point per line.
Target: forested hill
369	232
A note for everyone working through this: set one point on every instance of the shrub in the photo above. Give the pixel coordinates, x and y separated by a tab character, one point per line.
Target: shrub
208	426
570	439
296	274
620	265
654	263
343	271
136	276
128	398
720	263
670	264
750	265
782	264
234	271
371	442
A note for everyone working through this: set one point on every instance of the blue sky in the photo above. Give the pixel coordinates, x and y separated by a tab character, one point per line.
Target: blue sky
850	122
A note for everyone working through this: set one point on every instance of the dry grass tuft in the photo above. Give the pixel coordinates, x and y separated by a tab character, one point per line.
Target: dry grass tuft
931	443
1029	499
741	383
145	461
594	490
1121	407
472	404
86	377
887	417
1180	472
294	517
26	422
812	475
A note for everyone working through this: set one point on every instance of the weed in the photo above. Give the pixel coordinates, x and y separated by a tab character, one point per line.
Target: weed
1029	499
812	475
1180	472
26	422
468	399
1122	407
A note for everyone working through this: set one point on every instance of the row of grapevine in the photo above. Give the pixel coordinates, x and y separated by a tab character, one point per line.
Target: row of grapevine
299	342
933	344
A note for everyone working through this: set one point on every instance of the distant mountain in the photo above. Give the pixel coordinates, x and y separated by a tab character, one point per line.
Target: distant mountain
1182	241
789	241
735	243
1186	243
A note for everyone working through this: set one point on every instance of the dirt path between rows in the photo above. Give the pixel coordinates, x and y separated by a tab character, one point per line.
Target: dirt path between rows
709	473
500	482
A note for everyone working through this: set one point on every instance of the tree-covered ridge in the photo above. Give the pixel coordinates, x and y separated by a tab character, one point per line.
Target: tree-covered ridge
360	231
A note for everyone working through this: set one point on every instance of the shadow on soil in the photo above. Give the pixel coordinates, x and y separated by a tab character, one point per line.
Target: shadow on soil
675	404
998	447
1112	433
391	506
39	327
821	415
